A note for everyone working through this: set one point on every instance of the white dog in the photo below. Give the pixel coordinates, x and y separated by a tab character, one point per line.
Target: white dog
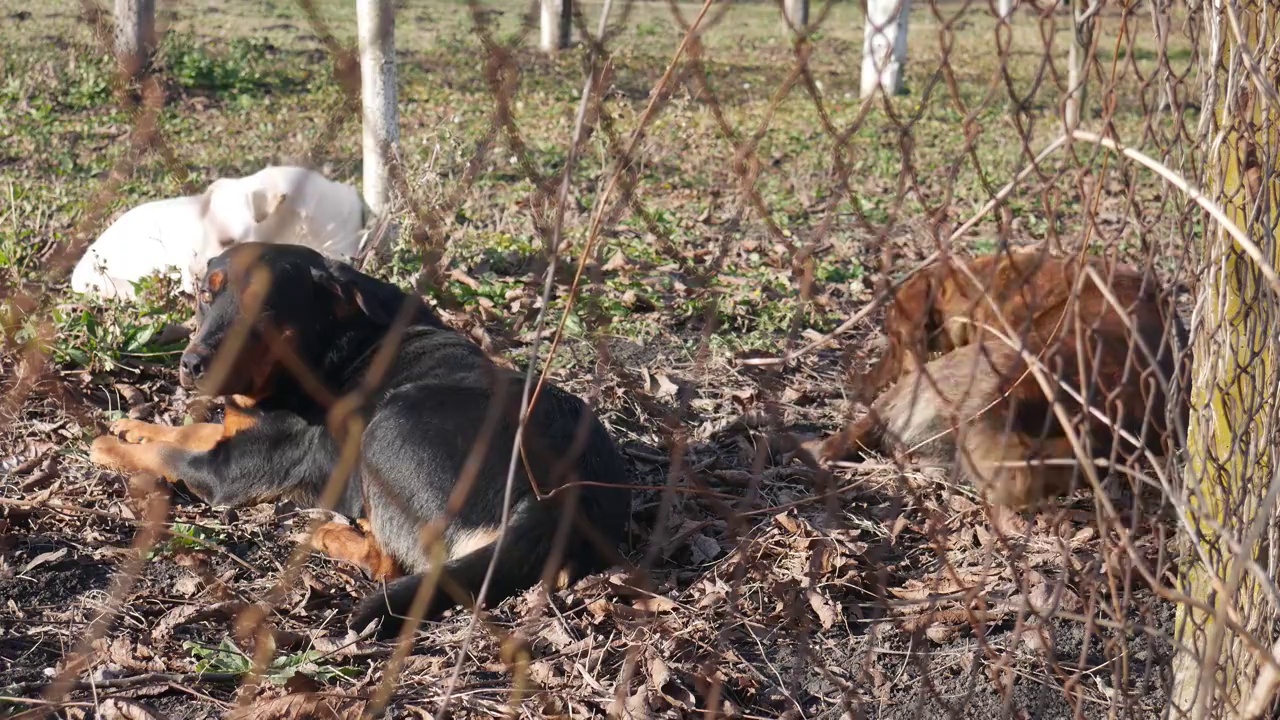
150	238
278	205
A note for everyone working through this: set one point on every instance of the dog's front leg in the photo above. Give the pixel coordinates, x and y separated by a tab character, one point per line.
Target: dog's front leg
231	465
157	456
196	437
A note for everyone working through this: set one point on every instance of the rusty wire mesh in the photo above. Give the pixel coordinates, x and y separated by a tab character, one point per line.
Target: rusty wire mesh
728	202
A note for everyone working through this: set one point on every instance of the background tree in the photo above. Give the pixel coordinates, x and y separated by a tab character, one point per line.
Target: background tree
1231	488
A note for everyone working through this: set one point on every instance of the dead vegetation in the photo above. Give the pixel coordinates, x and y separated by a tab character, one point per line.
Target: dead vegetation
762	588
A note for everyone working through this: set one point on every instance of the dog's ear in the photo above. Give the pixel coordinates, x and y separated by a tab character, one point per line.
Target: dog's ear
916	297
264	202
342	297
380	302
206	199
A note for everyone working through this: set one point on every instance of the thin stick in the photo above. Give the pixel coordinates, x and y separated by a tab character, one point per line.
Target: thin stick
1249	246
156	678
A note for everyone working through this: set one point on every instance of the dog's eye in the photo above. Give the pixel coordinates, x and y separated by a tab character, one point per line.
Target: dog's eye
226	242
206	297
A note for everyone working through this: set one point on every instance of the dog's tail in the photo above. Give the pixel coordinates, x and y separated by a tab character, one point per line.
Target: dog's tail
526	552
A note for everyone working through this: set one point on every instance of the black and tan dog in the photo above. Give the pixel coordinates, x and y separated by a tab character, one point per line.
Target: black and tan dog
284	332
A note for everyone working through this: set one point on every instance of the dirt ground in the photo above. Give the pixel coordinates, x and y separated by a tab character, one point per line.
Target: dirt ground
792	609
763	590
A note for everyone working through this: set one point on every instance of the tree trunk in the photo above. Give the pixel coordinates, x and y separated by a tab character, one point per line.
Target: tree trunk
1231	441
884	45
135	36
375	21
556	21
1077	72
797	14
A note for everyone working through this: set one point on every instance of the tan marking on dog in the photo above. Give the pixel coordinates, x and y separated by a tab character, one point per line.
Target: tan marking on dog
110	452
470	540
216	281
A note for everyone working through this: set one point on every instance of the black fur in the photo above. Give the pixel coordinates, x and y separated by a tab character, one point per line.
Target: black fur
422	421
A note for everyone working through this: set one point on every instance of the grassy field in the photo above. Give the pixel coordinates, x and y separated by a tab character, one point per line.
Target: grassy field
782	599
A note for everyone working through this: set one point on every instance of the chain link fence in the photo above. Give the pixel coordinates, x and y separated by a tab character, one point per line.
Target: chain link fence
693	220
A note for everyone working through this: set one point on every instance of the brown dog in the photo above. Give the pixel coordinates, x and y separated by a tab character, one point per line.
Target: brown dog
977	361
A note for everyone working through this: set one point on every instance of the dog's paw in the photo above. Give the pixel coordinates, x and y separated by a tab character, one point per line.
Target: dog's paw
107	451
130	430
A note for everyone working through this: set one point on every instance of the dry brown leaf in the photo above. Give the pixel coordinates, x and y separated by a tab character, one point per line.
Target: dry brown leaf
659	673
1046	597
787	522
132	395
187	614
634	707
985	538
1032	637
792	396
543	674
555	634
954	617
186	586
124	652
664	681
190	558
1083	537
916	590
711	599
142	412
300	683
1008	522
666	388
552	707
423	665
122	709
827	610
942	634
616	262
302	706
599	609
703	549
461	277
962	504
334	647
743	397
173	333
824	559
733	477
899	524
655	604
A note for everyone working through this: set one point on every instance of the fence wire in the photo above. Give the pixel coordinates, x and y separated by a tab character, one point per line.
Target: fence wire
692	220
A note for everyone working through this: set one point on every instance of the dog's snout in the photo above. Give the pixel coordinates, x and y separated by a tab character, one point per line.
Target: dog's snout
192	366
